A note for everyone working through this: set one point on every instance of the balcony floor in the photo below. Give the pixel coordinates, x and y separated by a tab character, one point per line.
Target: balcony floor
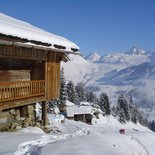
20	102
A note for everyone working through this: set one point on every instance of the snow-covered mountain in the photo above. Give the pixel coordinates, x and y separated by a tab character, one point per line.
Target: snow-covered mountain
136	51
93	57
131	73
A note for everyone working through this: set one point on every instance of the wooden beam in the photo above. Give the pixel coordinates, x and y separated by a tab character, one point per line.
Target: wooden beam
52	76
20	102
50	80
58	79
22	111
44	113
15	64
16	52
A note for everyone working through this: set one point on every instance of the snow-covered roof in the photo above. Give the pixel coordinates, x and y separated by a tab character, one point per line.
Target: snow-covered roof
84	103
68	103
17	28
74	110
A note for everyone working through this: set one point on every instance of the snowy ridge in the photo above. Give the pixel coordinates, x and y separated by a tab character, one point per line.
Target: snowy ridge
17	28
93	57
124	58
136	51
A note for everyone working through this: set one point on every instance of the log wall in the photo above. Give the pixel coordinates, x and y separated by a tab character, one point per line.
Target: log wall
21	53
52	77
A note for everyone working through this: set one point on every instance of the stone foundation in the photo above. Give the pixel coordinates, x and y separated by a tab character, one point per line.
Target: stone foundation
13	119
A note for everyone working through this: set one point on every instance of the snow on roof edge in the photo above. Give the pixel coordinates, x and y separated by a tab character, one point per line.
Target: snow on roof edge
17	28
75	110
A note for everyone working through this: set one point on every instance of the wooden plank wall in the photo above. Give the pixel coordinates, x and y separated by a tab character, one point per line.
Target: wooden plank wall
15	64
50	81
14	75
52	77
21	53
38	71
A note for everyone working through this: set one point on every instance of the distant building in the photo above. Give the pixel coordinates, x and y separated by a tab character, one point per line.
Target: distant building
29	70
80	113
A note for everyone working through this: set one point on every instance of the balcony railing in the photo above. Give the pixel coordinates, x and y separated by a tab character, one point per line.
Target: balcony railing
20	90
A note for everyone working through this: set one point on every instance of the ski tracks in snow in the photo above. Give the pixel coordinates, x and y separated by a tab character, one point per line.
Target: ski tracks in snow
34	147
144	148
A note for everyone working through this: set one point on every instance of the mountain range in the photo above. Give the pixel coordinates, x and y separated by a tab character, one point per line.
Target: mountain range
131	73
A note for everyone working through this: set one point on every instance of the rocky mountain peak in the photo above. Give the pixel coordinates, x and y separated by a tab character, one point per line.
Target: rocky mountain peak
136	51
93	57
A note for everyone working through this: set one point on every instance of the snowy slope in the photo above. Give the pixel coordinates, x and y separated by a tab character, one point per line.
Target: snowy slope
78	69
78	138
128	73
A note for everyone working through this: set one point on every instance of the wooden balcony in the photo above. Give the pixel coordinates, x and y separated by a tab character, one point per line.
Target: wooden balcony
21	91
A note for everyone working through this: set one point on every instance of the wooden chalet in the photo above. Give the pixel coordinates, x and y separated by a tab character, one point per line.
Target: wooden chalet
29	65
80	113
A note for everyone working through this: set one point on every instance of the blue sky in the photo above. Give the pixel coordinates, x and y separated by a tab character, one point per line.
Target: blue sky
101	26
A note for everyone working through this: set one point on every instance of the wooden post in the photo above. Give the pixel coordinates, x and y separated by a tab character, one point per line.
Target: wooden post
23	111
84	118
50	77
58	79
44	113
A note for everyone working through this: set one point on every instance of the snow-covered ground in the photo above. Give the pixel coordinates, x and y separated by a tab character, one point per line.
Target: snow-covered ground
78	138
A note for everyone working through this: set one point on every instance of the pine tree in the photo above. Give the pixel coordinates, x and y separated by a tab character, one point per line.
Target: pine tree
119	105
80	92
126	111
122	105
104	103
91	97
152	125
134	116
146	122
63	88
140	117
71	92
131	104
122	116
